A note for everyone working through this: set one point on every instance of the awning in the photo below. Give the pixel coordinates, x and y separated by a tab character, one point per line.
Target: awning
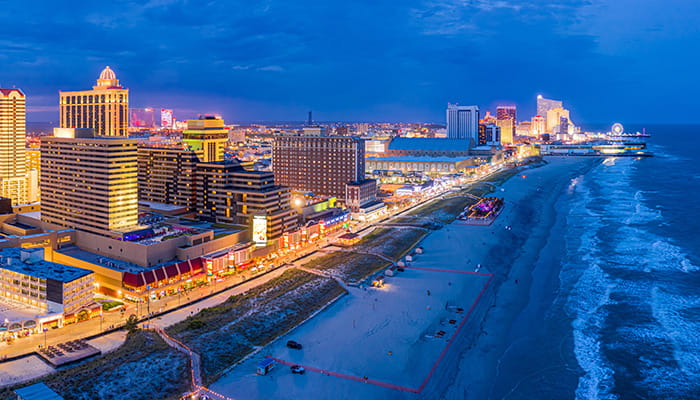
245	265
160	274
184	267
197	265
171	271
148	277
132	280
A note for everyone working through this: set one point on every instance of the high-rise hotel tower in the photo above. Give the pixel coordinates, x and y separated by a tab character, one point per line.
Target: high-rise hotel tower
12	144
89	183
463	123
207	136
105	108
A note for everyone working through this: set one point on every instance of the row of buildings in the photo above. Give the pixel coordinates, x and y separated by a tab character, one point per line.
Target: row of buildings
158	218
552	120
136	221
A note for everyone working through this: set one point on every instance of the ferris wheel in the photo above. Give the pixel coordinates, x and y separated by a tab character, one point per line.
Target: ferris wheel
617	129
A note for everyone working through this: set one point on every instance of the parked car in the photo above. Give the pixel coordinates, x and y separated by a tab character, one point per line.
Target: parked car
298	369
293	345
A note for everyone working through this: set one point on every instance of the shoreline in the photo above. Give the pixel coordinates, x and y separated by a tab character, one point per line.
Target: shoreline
475	353
533	218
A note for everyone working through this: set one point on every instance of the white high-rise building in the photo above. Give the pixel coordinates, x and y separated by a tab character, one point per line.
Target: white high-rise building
544	105
463	123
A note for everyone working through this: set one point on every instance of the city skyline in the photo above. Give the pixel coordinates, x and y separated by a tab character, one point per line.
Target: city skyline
405	61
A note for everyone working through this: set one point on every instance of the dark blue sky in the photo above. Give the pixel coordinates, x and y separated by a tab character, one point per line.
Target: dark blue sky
379	60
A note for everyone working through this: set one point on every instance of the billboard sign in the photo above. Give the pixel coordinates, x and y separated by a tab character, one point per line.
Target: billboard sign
166	118
260	230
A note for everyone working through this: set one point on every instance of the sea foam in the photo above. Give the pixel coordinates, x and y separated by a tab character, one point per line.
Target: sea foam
613	255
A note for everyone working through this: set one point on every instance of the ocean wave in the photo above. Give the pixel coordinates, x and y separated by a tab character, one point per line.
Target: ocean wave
573	183
586	291
682	332
638	249
616	298
587	301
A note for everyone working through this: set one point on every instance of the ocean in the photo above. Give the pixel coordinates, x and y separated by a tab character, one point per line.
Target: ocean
620	318
630	279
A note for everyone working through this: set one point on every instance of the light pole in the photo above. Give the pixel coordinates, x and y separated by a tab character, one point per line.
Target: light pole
100	320
45	330
148	305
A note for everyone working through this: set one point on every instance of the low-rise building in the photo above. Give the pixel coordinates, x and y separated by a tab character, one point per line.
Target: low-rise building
426	165
26	278
428	147
36	294
360	193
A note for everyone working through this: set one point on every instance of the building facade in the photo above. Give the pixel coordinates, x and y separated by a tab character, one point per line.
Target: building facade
319	164
206	136
89	183
537	127
105	108
506	120
489	134
427	147
544	105
145	118
13	111
33	169
26	278
168	175
425	165
360	193
463	123
256	195
227	193
553	119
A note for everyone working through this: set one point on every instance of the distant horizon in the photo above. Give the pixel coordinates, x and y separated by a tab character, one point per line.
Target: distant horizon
301	122
380	61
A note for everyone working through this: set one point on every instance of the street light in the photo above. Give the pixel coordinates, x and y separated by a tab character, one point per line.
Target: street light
45	330
100	320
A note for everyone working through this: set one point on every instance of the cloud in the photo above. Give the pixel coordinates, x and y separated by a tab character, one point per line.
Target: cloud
273	68
346	58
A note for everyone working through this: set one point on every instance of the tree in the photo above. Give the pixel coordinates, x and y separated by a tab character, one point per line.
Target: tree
132	323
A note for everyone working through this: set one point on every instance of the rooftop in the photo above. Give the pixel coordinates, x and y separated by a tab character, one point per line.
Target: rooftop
10	259
11	311
428	144
37	391
113	263
160	206
443	159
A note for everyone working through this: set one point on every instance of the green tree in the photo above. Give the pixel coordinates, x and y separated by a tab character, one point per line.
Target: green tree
132	323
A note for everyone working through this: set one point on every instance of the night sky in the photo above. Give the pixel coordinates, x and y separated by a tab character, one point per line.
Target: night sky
379	60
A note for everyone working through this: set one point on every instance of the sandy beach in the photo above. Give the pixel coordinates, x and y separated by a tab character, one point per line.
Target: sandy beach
388	335
524	260
379	343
